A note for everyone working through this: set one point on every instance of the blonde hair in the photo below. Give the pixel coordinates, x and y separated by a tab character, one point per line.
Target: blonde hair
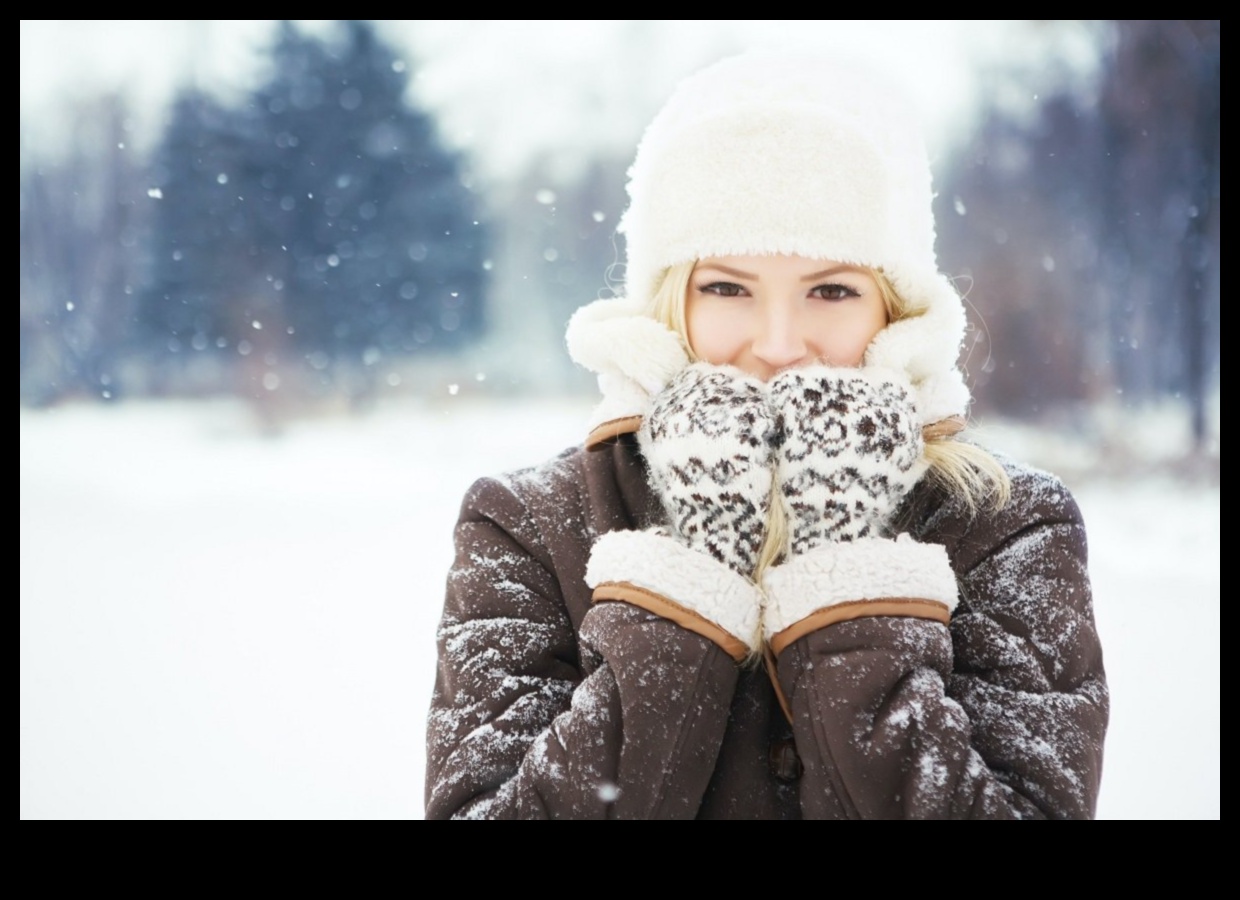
966	471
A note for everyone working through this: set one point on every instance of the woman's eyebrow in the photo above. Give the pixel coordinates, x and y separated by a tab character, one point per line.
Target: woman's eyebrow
813	276
834	270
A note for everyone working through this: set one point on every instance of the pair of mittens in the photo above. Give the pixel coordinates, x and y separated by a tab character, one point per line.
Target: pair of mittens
837	448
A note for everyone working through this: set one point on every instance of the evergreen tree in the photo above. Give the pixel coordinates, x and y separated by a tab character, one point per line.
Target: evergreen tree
202	247
319	232
368	225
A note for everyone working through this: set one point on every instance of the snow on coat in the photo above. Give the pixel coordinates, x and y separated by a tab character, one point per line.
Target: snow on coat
547	705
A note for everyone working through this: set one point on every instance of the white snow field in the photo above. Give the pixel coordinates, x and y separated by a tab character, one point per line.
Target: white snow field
217	624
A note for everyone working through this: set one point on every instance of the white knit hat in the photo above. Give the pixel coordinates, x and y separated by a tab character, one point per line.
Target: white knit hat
777	153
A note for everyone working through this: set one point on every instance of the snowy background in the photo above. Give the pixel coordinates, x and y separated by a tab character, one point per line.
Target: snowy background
220	624
228	603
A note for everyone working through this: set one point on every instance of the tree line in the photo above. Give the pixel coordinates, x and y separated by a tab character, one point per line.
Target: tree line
1088	233
319	235
307	239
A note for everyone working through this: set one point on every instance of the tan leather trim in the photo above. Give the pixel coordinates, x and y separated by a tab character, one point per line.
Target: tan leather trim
670	609
859	609
943	428
612	428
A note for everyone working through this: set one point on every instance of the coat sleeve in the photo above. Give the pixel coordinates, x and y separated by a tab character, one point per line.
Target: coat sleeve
530	719
999	714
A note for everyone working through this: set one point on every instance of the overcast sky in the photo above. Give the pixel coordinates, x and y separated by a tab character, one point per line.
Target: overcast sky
506	91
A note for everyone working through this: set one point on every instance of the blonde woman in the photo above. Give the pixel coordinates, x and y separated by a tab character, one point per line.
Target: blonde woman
774	582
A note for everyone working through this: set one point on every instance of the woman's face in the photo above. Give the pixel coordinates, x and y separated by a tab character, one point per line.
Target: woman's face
763	314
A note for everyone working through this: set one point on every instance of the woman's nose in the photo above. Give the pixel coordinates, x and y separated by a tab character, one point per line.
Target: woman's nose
780	339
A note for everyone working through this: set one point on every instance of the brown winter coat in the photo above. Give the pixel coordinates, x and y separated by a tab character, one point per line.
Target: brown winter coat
547	705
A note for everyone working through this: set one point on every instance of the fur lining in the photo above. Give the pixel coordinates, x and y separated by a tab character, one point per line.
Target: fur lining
925	348
866	569
942	397
659	563
633	355
622	399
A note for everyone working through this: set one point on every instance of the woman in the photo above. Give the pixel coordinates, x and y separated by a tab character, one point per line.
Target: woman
774	471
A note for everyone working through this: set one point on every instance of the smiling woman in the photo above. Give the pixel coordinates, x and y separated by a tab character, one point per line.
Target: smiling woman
775	471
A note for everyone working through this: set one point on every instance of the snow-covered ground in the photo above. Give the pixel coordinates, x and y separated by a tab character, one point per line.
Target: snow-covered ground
220	624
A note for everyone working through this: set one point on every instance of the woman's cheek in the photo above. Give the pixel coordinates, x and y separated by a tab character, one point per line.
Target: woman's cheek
715	334
842	338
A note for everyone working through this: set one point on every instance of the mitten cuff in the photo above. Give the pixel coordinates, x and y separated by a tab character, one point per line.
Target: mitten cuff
663	576
865	577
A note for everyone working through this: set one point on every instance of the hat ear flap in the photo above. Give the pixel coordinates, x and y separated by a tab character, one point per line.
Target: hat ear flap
925	347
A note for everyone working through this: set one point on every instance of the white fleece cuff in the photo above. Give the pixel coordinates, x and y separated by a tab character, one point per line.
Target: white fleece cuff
864	569
660	564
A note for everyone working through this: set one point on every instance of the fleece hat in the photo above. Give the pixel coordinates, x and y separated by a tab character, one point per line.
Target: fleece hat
784	154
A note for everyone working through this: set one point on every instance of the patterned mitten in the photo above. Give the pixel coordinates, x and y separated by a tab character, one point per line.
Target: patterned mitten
851	450
708	444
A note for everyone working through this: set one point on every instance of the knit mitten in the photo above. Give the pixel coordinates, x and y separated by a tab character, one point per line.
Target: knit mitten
851	449
708	444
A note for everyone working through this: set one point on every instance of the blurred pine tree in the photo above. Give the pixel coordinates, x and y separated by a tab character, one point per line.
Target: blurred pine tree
316	235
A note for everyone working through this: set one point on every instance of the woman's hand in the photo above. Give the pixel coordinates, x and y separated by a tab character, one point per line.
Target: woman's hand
850	449
709	442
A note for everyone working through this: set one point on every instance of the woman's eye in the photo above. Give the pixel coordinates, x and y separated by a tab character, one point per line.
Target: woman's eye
834	292
722	289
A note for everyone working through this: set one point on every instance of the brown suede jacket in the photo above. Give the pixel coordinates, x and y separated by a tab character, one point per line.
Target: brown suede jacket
547	705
